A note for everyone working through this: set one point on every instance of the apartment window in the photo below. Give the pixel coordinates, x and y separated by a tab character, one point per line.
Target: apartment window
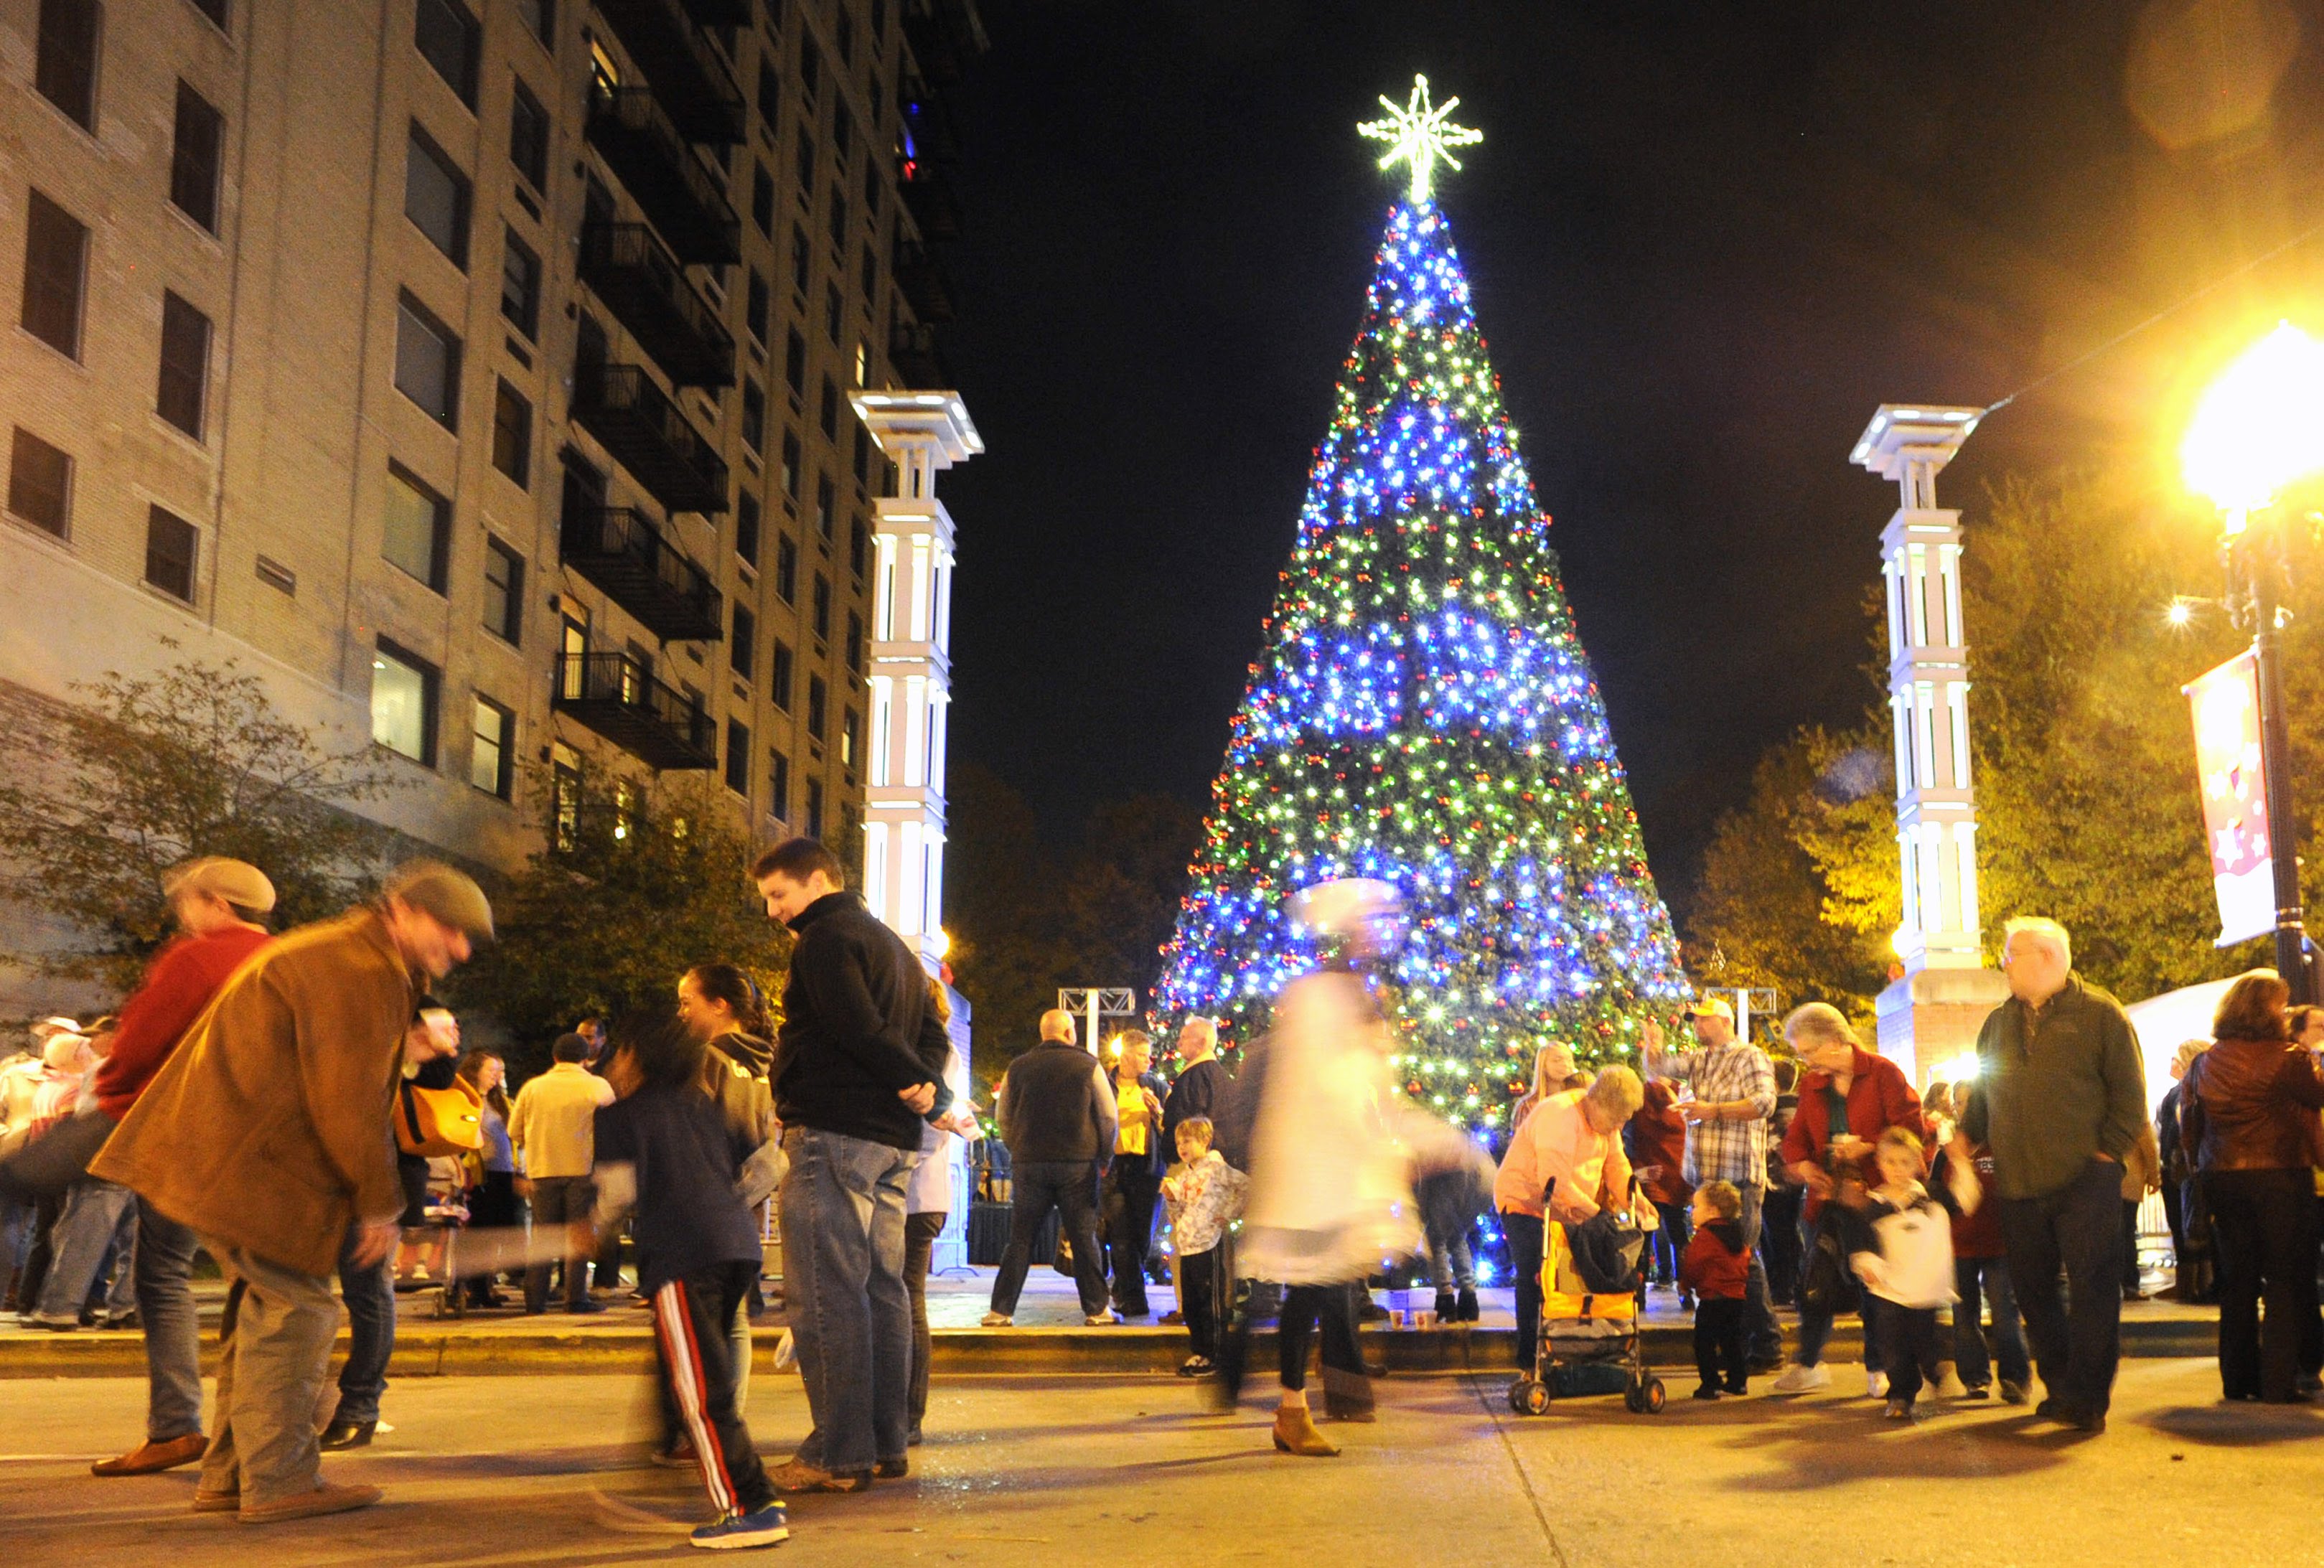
170	551
565	794
855	642
810	67
213	9
56	263
794	349
824	497
835	313
844	36
572	645
822	608
863	366
519	286
830	410
66	71
805	152
743	643
492	756
770	93
427	361
817	696
540	18
778	786
871	178
738	758
802	260
529	138
758	307
837	219
859	548
447	38
763	199
419	527
436	196
869	275
779	665
194	156
878	20
814	823
791	466
746	527
185	365
503	592
404	690
40	483
847	725
512	435
755	417
787	569
863	449
843	135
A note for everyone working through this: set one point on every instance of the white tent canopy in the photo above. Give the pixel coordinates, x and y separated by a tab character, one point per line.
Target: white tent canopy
2163	1022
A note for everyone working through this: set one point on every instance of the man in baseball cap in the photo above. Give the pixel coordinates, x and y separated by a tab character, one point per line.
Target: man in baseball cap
1717	1007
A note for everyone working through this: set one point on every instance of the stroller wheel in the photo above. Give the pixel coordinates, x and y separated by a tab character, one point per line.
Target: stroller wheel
1529	1396
1645	1399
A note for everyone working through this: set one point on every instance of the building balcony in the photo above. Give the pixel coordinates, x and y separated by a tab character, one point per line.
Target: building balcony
679	196
646	291
619	548
694	85
619	698
645	432
922	282
912	354
933	206
942	34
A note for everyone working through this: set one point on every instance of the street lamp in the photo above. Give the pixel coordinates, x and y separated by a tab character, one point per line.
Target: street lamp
2257	428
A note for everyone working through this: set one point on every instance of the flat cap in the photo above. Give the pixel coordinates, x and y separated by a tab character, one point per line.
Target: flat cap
236	881
449	896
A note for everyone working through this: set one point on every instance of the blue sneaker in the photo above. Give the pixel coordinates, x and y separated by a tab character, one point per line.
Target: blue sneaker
766	1527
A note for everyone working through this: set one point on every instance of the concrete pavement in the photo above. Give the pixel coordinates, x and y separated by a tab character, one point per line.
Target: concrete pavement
1131	1472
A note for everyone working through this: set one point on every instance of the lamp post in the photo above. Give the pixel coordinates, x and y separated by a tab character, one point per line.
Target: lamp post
2257	428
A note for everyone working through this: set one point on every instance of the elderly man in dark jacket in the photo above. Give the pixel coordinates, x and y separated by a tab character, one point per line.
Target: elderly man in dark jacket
266	1133
2062	1100
1058	1119
857	1072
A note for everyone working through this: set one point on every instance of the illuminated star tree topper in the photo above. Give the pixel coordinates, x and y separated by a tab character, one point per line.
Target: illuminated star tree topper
1420	135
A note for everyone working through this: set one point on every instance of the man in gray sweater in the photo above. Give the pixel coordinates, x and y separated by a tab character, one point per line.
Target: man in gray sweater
1058	1117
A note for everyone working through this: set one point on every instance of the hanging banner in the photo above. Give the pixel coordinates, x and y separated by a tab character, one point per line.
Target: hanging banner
2235	798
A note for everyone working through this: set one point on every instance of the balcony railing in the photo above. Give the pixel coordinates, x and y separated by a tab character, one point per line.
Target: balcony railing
648	291
683	70
619	548
679	196
922	278
616	696
912	354
635	419
930	198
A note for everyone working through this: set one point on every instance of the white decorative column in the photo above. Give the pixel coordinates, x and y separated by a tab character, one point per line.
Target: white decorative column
922	433
1931	1013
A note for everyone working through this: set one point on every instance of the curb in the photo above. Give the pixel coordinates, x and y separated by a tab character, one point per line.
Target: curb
432	1352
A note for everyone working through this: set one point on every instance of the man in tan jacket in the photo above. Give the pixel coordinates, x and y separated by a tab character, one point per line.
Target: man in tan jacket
266	1134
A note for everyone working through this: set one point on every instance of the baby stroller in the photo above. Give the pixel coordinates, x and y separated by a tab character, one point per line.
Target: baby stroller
1588	1333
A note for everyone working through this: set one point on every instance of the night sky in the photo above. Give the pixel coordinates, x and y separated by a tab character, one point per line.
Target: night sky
1705	244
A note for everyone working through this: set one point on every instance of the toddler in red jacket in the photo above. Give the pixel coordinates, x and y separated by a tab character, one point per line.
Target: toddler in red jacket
1716	1267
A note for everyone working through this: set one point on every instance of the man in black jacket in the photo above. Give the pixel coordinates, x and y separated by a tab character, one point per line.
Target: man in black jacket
1058	1117
855	1071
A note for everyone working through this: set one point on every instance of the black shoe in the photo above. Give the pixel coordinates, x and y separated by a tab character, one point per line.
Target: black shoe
1977	1391
1708	1391
1447	1309
348	1434
1465	1308
585	1306
2047	1410
892	1469
1737	1388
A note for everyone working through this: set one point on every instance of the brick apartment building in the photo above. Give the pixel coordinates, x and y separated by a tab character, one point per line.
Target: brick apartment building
477	372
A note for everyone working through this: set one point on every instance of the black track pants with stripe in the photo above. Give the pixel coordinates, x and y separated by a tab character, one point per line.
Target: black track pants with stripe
692	1316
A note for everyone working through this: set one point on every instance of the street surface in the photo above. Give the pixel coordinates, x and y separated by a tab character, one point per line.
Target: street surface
1072	1471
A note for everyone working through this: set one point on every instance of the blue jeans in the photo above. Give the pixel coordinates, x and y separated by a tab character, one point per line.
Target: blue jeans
1971	1363
163	1274
1815	1325
369	1294
94	1211
1070	1187
851	1317
1451	1262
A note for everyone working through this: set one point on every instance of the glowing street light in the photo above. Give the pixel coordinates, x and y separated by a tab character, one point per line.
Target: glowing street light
2258	429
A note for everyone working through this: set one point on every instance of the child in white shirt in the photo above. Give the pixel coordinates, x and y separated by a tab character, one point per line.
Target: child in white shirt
1905	1256
1204	1194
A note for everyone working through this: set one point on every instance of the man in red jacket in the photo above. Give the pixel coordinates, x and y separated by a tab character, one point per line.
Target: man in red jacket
219	906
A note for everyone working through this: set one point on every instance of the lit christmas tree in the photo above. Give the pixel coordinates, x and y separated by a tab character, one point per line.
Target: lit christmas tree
1424	714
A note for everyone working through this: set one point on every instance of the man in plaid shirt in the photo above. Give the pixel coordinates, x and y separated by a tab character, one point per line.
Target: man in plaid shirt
1734	1094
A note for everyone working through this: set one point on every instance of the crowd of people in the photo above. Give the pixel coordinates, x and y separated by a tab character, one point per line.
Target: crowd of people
300	1107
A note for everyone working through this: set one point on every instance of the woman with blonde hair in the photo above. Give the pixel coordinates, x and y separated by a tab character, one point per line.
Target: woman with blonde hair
1553	1065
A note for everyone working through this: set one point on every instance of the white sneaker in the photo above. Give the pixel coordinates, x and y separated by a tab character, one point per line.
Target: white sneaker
786	1352
1101	1319
996	1319
1801	1380
1875	1384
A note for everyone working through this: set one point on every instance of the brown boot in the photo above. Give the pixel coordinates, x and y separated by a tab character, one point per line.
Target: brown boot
1295	1432
152	1458
325	1499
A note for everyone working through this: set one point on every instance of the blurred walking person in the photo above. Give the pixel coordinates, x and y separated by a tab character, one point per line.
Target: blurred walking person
265	1132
